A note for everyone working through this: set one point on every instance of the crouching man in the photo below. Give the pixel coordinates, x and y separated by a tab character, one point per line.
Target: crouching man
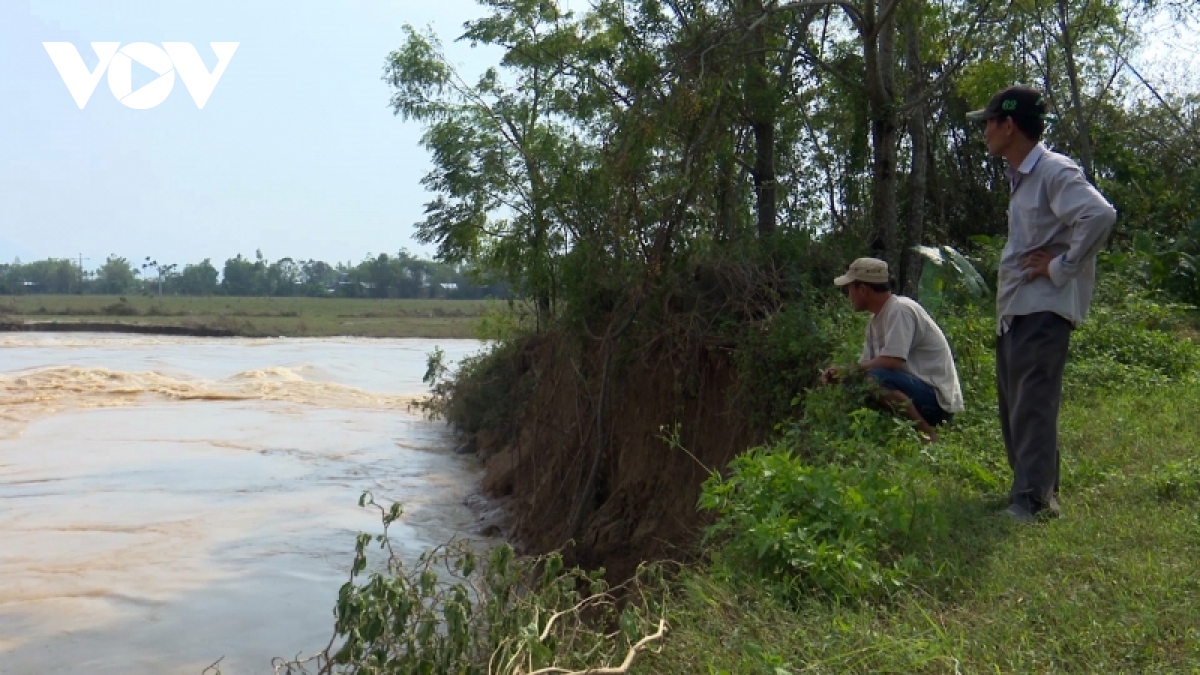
905	353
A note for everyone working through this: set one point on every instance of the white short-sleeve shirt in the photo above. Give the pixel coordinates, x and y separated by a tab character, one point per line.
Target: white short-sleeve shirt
904	330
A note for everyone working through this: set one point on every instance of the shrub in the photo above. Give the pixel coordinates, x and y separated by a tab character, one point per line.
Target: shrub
461	611
835	529
776	359
505	322
1131	343
481	394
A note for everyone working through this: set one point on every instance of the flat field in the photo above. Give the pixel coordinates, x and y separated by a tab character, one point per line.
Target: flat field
252	317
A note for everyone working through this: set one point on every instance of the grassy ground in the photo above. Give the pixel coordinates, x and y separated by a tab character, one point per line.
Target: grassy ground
257	317
1113	586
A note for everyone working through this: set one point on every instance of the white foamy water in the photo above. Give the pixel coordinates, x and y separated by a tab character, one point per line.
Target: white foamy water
165	502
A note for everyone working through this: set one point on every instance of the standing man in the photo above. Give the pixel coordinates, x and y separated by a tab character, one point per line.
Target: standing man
905	353
1057	222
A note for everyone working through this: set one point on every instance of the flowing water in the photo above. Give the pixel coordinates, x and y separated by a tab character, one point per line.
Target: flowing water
165	502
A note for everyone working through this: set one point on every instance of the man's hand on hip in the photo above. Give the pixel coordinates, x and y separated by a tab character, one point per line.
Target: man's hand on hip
1037	264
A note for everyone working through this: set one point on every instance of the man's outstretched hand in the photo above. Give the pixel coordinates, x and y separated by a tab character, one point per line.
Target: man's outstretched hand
830	375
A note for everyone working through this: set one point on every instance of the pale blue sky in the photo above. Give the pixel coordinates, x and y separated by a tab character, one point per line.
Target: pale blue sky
295	153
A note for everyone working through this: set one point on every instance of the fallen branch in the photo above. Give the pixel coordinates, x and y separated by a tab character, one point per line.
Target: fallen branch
618	670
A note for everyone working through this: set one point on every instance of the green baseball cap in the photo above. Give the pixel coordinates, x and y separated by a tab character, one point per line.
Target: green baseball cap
1015	101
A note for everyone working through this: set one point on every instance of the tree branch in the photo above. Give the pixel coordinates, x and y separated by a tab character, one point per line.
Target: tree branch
618	670
883	19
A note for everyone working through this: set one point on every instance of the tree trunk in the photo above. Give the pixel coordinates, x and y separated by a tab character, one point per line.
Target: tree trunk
911	263
764	177
879	56
727	168
761	98
1082	128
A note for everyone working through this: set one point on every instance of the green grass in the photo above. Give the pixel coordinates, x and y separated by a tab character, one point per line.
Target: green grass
1113	586
311	317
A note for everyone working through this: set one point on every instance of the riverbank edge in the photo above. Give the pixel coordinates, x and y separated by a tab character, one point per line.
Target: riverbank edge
200	330
113	327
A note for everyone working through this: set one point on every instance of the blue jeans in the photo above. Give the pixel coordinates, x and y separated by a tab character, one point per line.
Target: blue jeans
922	395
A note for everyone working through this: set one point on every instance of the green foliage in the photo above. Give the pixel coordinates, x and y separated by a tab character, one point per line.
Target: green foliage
1110	587
483	393
950	266
467	612
836	529
504	157
971	334
242	276
116	276
1172	266
832	505
199	279
505	322
1146	152
777	359
52	275
1131	344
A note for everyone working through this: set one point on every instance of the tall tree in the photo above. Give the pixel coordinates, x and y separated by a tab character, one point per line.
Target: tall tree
116	276
198	279
499	146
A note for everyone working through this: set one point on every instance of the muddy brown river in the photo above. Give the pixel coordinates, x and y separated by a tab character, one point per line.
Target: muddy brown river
166	502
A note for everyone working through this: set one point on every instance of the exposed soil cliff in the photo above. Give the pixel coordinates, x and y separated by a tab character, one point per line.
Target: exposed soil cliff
592	467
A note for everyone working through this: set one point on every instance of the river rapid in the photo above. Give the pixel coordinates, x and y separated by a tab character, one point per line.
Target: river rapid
166	502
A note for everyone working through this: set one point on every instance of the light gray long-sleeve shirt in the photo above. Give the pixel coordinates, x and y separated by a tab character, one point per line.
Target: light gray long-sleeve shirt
1052	207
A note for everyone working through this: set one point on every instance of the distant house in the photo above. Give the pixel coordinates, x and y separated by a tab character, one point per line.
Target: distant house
438	290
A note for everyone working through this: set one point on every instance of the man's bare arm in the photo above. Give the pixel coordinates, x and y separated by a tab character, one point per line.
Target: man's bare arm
889	362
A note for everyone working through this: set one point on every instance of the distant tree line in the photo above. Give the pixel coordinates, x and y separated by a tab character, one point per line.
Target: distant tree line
378	276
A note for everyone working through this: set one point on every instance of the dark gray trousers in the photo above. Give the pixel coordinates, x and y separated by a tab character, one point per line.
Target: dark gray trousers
1030	358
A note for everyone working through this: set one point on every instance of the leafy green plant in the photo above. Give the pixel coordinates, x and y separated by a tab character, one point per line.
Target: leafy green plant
505	321
777	359
1172	265
949	279
462	611
1127	344
956	267
482	393
834	529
